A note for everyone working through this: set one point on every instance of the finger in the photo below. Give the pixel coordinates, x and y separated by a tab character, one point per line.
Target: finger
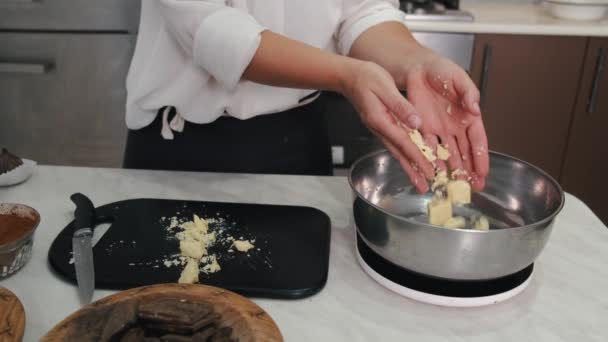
416	177
398	136
400	107
479	148
455	160
465	152
467	91
384	124
478	183
432	140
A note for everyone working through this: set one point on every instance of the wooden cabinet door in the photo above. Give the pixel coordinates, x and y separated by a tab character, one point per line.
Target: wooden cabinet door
528	86
586	164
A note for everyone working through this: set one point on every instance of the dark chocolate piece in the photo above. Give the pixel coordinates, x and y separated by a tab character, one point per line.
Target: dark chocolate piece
151	339
222	335
174	311
204	335
176	338
122	316
88	326
133	334
179	327
205	321
226	331
160	328
8	161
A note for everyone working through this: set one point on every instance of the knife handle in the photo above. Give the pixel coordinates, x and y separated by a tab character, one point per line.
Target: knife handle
85	211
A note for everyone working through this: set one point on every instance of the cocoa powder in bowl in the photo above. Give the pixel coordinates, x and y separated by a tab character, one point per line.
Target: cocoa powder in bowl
17	225
13	227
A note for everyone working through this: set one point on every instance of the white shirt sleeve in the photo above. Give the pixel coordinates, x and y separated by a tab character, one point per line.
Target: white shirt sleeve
220	39
360	15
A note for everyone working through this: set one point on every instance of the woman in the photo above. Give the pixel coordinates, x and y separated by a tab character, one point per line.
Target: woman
232	86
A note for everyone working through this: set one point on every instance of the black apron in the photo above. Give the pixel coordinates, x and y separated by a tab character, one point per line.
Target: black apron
291	142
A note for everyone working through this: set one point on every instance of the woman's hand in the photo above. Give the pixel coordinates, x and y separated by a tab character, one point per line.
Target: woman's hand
442	93
373	92
448	103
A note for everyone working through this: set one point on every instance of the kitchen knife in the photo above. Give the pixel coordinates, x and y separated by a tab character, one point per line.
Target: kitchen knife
82	246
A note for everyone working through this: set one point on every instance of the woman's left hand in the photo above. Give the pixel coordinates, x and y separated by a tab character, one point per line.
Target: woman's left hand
448	103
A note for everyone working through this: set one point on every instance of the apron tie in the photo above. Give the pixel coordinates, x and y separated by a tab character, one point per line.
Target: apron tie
176	124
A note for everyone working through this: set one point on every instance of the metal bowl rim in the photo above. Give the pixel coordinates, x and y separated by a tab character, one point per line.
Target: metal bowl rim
428	225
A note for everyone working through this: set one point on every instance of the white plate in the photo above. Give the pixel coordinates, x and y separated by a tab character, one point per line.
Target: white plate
577	9
18	175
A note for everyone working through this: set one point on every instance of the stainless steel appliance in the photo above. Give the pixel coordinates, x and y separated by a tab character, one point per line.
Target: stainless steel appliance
442	10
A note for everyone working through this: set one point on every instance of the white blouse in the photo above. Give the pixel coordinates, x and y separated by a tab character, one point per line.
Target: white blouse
191	54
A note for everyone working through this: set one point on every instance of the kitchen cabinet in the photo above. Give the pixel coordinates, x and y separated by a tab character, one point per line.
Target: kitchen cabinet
63	96
70	15
528	88
585	165
63	66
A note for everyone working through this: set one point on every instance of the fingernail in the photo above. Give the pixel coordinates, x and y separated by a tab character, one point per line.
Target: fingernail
414	121
476	108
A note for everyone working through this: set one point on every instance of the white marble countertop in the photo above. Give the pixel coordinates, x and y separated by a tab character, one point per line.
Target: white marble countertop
566	300
513	17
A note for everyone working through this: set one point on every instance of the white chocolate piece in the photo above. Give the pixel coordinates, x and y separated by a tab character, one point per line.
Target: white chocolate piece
190	273
208	239
213	266
455	222
443	153
201	224
440	211
426	150
459	192
187	225
192	249
243	245
481	223
193	235
441	180
459	172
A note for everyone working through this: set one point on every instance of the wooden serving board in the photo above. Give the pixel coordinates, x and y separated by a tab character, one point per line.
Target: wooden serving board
249	322
12	317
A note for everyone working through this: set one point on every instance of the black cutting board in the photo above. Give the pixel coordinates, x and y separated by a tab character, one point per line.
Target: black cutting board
292	260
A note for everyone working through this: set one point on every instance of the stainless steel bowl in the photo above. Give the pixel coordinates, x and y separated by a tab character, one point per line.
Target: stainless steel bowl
520	201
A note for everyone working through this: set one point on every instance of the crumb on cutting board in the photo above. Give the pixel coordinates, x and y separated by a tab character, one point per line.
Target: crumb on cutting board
243	245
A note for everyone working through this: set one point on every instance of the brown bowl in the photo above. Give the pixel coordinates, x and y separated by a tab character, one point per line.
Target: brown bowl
18	223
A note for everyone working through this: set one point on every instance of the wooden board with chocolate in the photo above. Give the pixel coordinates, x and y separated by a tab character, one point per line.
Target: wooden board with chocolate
169	312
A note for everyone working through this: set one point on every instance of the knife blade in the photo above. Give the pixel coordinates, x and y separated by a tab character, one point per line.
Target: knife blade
82	246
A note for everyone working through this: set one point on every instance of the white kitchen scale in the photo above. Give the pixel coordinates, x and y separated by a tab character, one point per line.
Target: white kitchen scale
443	292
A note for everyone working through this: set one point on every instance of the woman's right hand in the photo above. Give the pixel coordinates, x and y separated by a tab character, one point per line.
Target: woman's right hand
372	91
